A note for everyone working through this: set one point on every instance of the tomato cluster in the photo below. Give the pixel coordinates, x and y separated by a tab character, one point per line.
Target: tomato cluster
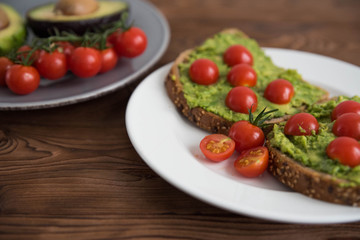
246	136
346	148
22	75
346	127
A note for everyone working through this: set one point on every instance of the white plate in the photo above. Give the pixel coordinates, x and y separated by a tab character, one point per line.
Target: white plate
71	89
168	143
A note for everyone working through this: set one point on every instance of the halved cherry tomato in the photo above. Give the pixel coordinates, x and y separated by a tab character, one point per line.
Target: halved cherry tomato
279	91
204	71
241	99
252	162
348	125
237	54
5	63
22	79
246	135
85	62
108	59
346	150
345	107
301	124
131	43
51	65
242	75
217	147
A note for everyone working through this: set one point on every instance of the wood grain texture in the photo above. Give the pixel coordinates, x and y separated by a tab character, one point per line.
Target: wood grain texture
71	172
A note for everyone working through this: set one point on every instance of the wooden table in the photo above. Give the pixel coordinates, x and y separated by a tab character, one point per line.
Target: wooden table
71	172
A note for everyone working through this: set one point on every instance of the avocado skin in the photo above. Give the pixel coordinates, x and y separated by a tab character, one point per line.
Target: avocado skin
18	33
43	28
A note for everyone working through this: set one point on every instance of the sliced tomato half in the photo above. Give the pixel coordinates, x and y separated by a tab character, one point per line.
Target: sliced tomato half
217	147
253	162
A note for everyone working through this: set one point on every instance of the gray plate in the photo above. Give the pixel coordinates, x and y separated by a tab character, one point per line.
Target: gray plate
71	89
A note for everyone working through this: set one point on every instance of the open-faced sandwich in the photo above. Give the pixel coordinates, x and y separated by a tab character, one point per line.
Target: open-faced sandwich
230	88
318	153
208	103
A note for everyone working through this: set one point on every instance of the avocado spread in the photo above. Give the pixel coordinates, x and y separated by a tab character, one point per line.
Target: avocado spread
212	98
311	150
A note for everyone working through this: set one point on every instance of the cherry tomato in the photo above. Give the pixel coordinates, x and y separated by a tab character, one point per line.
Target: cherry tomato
217	147
51	65
346	150
348	125
131	43
237	54
111	39
85	62
301	124
241	99
279	91
204	71
5	63
22	79
242	75
108	59
67	48
23	53
345	107
246	135
252	162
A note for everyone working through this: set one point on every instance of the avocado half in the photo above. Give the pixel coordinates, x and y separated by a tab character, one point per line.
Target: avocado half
14	34
42	19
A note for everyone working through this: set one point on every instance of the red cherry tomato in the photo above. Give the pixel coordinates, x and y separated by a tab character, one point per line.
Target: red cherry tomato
85	62
252	162
5	63
67	48
23	51
111	39
242	75
108	59
51	65
204	71
217	147
241	99
346	150
246	135
22	79
279	91
131	43
348	125
237	54
345	107
301	124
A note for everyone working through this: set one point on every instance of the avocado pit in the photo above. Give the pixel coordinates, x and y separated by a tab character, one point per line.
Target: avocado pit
75	16
4	20
75	7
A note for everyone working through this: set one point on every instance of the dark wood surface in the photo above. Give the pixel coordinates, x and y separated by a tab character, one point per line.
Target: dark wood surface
71	172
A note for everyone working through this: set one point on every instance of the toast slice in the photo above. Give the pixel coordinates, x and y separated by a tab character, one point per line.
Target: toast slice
301	162
210	112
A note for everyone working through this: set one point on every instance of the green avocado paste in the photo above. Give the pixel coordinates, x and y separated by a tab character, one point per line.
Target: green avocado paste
212	98
311	150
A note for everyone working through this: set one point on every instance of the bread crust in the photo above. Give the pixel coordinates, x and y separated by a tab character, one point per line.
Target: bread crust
310	182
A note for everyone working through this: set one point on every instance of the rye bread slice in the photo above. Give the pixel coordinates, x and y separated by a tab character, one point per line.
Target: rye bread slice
204	119
310	182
